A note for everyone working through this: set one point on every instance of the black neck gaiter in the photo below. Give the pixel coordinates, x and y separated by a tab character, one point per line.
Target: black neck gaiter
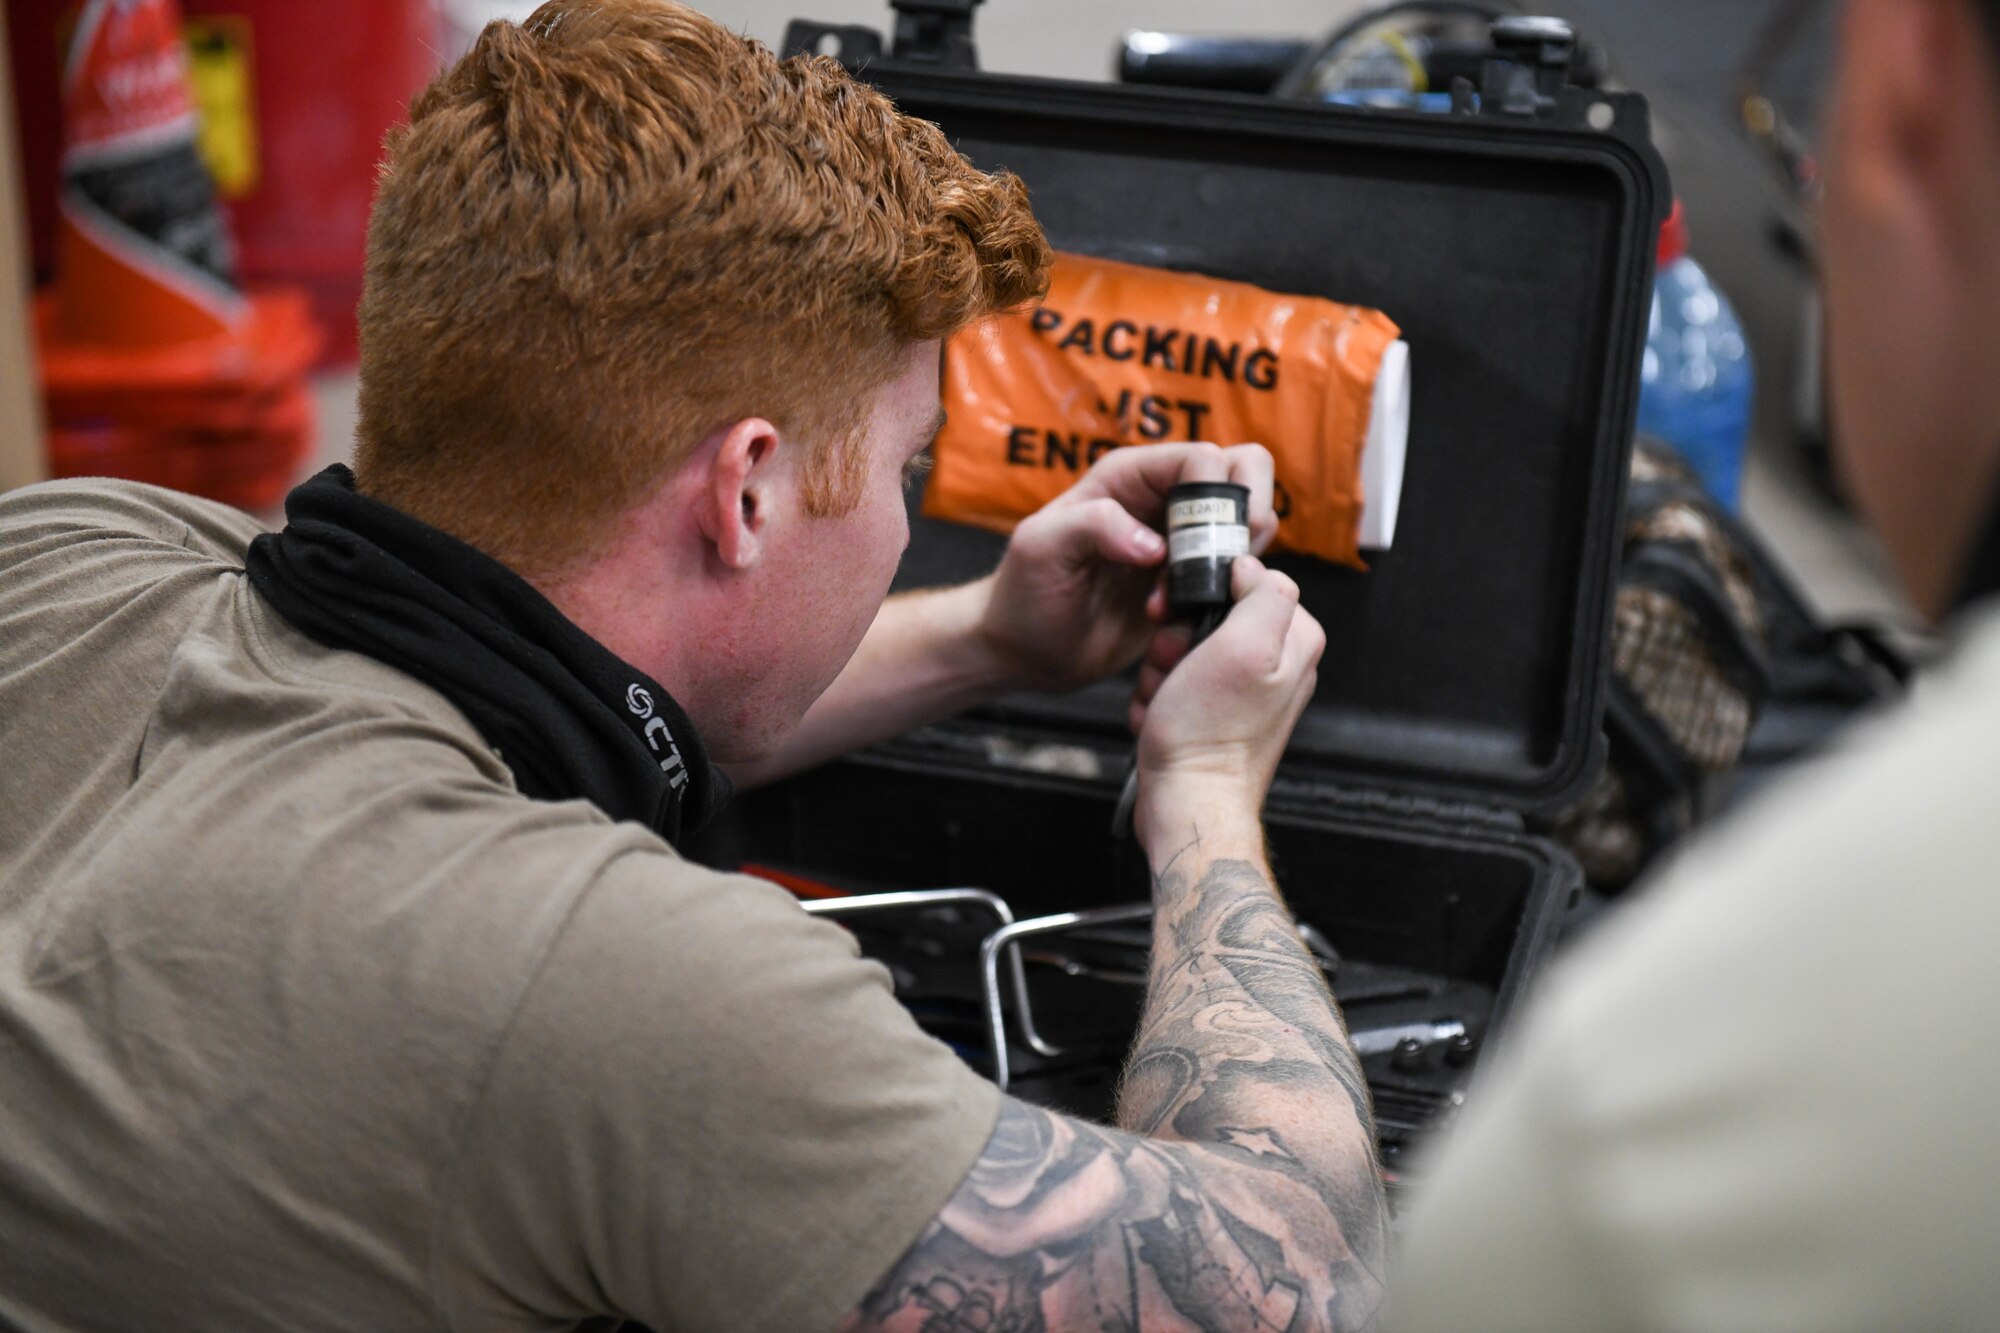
567	716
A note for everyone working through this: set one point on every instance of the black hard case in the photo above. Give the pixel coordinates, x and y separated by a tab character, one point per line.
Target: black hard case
1461	696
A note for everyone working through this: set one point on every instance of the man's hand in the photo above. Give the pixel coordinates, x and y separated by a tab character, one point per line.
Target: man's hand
1213	722
1069	604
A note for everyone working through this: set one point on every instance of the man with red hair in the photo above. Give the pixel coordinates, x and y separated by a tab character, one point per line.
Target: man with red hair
348	974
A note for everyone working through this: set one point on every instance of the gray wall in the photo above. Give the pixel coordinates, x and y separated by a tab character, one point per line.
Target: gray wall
1063	38
1690	45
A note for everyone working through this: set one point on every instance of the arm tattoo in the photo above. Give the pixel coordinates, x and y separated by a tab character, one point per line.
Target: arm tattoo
1240	1192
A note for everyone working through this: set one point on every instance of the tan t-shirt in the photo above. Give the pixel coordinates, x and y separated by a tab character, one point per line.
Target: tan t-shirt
1766	1096
309	1020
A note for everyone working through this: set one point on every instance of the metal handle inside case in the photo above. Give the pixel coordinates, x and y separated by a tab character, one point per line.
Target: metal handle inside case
1063	923
1007	940
865	903
1009	937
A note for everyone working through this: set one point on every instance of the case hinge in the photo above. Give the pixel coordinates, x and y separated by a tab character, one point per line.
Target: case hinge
1395	807
1061	757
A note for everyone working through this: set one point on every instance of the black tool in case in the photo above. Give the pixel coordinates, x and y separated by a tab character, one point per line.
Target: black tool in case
1460	701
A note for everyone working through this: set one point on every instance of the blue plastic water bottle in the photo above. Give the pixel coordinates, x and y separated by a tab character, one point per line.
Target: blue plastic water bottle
1698	384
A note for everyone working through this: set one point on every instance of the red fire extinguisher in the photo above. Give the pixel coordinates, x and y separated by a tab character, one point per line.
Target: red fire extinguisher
294	98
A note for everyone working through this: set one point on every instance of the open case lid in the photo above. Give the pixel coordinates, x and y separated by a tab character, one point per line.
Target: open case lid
1469	663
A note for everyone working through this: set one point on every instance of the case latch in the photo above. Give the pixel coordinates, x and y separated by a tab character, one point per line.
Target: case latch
935	32
1539	70
928	32
1530	65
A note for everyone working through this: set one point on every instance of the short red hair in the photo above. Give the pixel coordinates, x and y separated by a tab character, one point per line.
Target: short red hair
617	226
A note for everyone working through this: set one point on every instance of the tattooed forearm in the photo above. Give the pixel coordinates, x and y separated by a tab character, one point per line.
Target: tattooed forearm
1232	980
1239	1014
1069	1225
1241	1191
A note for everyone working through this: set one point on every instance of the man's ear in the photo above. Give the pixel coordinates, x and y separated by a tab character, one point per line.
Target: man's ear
740	491
1906	138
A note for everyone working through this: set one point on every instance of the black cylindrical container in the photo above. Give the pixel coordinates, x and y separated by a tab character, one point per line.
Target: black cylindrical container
1208	526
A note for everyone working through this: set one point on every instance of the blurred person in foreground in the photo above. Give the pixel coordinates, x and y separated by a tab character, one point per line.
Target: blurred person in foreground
1764	1097
349	977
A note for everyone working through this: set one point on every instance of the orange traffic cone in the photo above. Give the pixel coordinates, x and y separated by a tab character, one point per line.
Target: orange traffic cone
155	366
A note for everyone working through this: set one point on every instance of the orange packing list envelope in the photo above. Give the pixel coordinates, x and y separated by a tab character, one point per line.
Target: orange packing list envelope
1120	355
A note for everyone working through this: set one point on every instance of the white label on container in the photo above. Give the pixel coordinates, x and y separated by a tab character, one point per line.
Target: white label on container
1207	509
1212	541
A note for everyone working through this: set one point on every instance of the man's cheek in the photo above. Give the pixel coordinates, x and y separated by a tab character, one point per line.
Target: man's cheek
890	530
